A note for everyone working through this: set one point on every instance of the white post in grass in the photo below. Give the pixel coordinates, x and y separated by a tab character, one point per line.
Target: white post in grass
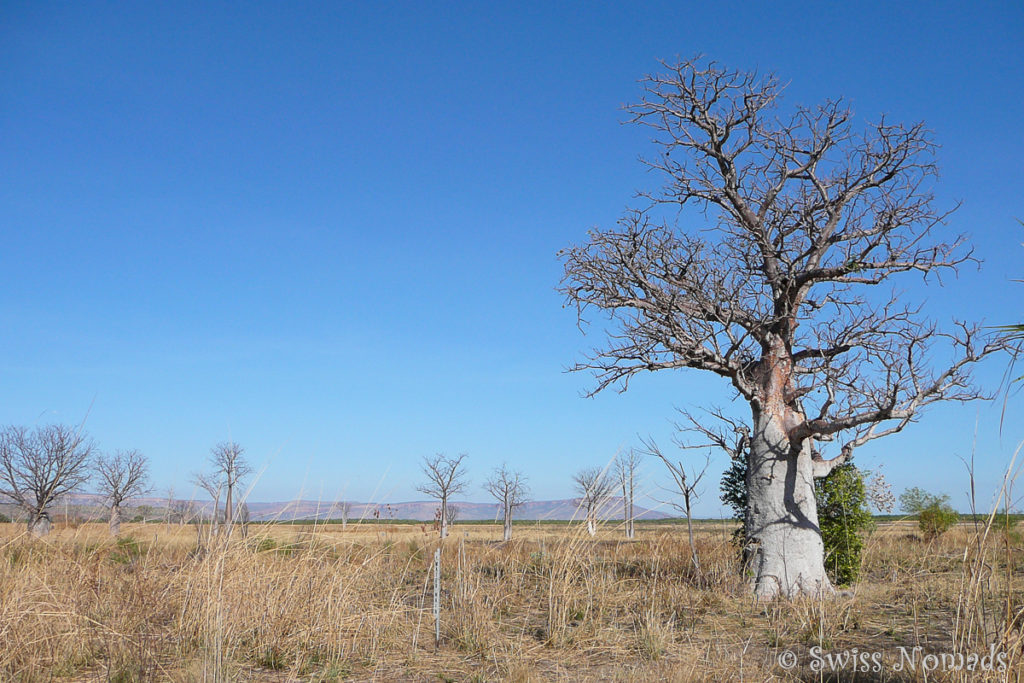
437	598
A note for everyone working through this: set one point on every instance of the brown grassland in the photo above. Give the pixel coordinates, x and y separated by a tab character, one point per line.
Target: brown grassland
319	603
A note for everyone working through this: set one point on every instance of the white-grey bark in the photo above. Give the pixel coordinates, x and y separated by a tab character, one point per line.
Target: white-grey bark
39	524
115	520
784	546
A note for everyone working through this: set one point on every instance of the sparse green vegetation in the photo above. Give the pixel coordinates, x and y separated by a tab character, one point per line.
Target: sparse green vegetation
935	515
937	519
843	516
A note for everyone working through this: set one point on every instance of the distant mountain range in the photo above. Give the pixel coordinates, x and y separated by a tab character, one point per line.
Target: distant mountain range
416	510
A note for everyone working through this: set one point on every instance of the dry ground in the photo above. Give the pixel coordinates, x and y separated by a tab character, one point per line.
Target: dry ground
318	603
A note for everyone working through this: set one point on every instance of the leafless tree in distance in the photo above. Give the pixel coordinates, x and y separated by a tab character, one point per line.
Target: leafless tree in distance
229	470
771	283
169	505
627	468
243	517
510	490
594	486
181	511
213	487
121	477
685	486
446	477
344	508
39	466
452	513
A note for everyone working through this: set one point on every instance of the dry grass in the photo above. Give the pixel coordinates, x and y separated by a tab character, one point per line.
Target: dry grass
317	603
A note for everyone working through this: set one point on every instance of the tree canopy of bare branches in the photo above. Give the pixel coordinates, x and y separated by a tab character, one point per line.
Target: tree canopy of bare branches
776	281
509	488
39	466
594	487
119	478
446	477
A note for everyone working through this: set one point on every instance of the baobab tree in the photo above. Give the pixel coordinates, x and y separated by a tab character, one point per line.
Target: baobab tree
446	477
594	486
121	477
510	490
39	466
228	470
773	284
626	468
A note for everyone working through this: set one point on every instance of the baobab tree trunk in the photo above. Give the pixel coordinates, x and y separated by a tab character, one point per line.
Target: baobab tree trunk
444	518
784	548
115	520
39	523
591	525
507	535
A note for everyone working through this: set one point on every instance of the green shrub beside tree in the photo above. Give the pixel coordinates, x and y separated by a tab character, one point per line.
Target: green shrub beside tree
842	514
935	515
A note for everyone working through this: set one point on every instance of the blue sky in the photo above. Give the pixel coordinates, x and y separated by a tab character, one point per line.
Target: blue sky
329	231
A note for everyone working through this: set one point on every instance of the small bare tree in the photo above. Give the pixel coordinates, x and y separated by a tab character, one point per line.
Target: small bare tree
243	519
685	485
626	468
510	490
594	486
169	506
37	467
452	512
180	511
344	508
121	477
446	477
213	488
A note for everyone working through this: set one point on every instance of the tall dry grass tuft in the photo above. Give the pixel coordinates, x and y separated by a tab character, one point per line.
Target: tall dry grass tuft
990	603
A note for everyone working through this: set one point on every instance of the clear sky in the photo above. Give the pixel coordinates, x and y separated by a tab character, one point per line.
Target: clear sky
329	230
